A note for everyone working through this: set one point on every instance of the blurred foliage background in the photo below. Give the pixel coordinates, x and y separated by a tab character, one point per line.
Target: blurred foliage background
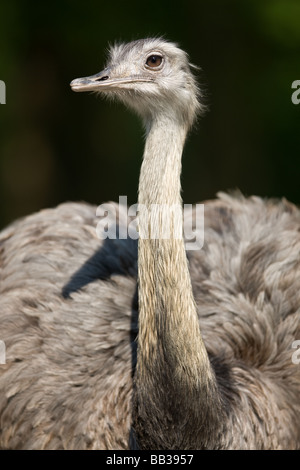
56	145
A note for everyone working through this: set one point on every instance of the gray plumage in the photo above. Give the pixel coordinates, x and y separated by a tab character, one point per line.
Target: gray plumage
76	377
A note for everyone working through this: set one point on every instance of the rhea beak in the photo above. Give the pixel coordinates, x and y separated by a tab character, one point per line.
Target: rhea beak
105	80
94	82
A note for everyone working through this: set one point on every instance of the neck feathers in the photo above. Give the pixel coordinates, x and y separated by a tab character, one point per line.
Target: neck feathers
173	371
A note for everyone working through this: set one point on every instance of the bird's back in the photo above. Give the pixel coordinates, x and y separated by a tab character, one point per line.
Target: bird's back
246	283
68	315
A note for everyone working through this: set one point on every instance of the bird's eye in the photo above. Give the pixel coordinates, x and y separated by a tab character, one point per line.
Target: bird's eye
154	61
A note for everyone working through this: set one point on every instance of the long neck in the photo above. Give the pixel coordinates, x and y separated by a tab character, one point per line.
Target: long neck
175	389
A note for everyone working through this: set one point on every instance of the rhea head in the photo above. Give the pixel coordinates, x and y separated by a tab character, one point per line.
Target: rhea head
152	76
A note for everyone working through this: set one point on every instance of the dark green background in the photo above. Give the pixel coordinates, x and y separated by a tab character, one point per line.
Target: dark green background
56	145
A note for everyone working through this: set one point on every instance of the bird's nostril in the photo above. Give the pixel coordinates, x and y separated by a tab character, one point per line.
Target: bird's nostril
101	79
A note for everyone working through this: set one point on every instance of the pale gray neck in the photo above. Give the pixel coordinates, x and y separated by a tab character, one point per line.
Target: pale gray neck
172	359
165	291
160	171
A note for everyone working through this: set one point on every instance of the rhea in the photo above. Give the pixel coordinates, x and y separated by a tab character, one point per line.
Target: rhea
215	327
